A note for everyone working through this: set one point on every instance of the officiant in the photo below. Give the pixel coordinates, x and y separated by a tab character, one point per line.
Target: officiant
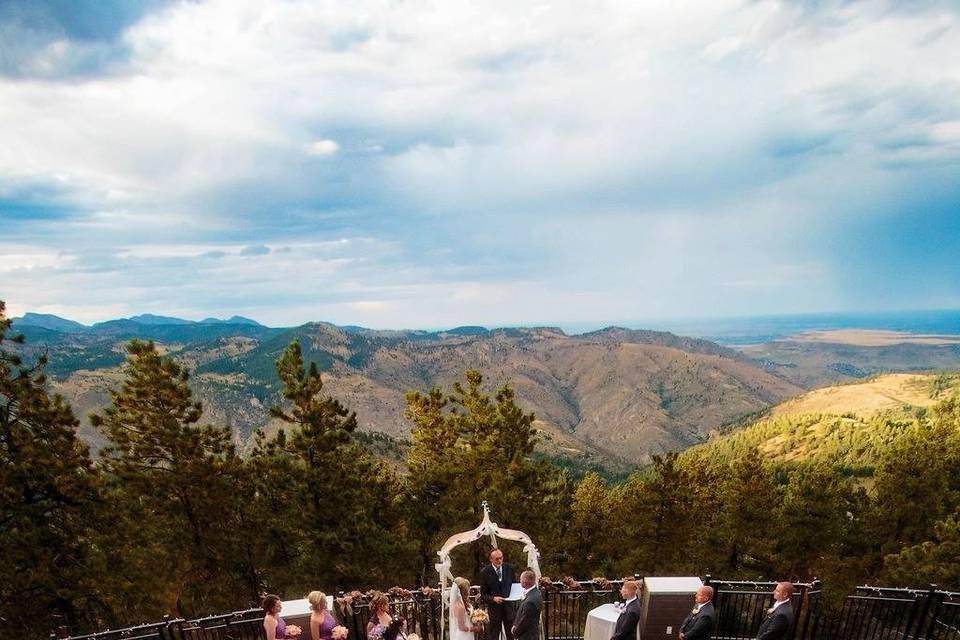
496	579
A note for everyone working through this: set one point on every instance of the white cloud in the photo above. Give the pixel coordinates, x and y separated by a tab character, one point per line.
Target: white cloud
323	148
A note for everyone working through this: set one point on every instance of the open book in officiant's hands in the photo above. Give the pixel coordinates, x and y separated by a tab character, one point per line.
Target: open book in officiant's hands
516	592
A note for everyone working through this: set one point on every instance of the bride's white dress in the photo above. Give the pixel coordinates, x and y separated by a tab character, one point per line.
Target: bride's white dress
456	633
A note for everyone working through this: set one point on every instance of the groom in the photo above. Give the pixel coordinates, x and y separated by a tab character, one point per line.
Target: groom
496	579
527	625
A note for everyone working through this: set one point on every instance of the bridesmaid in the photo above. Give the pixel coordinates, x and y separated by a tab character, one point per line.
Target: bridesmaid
273	624
379	617
322	621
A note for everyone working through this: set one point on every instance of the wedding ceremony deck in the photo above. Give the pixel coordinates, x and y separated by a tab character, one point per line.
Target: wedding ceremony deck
870	613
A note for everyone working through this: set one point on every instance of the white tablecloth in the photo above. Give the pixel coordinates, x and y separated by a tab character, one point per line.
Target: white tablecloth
601	622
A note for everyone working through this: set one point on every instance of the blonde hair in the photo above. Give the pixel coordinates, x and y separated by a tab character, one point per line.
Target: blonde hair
464	585
318	601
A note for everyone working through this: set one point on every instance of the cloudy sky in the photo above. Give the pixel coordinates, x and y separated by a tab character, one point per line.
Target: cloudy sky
430	164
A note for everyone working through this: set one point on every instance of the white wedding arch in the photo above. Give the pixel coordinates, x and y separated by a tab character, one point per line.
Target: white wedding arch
486	528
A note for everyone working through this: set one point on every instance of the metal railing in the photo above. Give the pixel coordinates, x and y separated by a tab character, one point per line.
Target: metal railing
741	607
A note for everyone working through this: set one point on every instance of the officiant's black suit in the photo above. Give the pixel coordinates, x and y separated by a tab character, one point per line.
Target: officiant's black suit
492	585
699	625
777	625
626	628
527	623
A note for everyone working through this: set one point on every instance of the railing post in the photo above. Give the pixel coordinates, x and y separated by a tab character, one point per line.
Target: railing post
812	592
931	609
547	606
919	605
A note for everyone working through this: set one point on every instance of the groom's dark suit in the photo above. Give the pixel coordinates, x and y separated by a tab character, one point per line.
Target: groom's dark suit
626	628
491	586
527	625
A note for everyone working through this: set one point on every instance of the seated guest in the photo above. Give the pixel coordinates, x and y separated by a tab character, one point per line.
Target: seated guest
626	628
379	617
699	624
273	624
396	630
322	621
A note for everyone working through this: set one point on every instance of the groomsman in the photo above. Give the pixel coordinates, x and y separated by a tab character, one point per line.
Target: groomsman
778	625
626	628
698	625
496	579
527	625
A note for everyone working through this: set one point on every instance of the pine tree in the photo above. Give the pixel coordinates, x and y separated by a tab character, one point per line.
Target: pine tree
48	493
655	512
342	505
179	489
913	487
589	551
750	500
813	516
936	560
469	447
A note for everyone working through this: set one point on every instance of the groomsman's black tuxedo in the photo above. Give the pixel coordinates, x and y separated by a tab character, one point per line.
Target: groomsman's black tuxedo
626	628
777	625
699	625
493	584
527	624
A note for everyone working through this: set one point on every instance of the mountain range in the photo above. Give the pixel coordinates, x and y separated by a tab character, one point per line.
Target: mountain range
611	397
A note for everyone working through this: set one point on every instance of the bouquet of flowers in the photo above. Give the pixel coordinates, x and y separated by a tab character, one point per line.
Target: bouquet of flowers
413	636
479	616
293	631
339	633
377	631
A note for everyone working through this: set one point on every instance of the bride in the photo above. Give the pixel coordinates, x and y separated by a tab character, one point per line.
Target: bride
461	627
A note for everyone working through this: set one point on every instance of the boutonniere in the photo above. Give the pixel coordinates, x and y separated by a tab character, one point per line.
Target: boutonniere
771	610
694	611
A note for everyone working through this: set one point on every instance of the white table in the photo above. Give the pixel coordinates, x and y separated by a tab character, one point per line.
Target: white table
601	622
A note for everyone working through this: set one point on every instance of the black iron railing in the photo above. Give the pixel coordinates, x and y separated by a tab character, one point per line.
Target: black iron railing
741	607
879	613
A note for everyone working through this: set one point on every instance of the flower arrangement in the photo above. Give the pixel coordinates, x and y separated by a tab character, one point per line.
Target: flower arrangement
428	593
479	616
412	636
293	631
399	592
339	633
546	584
570	583
601	583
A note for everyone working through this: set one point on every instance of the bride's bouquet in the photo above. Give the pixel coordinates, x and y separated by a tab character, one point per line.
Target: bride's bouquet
339	633
479	616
